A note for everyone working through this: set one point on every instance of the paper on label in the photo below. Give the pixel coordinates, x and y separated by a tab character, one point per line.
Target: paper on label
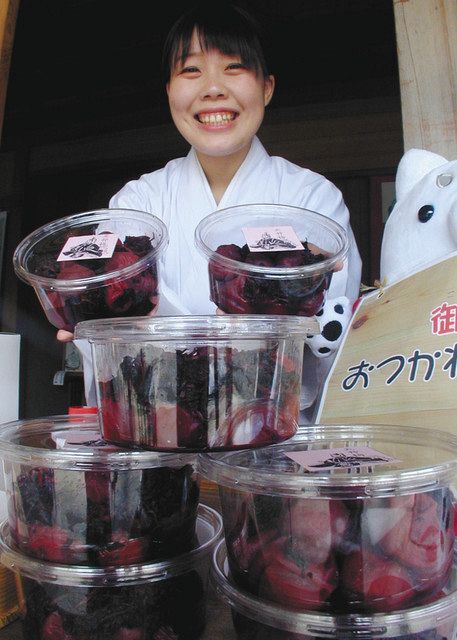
66	439
88	247
279	238
342	458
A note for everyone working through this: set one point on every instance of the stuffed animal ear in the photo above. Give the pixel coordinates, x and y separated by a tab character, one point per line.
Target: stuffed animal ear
413	166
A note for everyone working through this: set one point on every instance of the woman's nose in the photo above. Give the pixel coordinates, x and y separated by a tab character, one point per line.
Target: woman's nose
214	88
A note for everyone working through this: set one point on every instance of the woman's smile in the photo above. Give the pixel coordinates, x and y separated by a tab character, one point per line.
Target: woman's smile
217	118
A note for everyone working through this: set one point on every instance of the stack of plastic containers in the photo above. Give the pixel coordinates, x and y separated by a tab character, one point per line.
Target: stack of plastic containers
343	531
105	526
109	543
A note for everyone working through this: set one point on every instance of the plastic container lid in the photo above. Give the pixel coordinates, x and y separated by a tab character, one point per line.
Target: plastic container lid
340	461
122	221
214	327
74	442
380	625
209	529
236	217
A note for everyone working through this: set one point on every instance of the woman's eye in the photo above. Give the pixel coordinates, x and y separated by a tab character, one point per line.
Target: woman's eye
236	65
190	70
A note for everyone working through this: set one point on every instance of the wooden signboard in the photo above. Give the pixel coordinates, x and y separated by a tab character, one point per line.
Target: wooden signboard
398	362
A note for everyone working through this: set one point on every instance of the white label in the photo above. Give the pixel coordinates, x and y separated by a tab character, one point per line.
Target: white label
68	439
272	239
88	247
344	458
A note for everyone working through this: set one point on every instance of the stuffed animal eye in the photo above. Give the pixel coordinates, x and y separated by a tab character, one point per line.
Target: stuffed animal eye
425	213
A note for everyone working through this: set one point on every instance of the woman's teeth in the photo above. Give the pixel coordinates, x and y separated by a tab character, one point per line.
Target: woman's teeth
216	118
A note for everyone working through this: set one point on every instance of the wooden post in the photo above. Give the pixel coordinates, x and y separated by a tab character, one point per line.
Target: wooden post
8	15
426	33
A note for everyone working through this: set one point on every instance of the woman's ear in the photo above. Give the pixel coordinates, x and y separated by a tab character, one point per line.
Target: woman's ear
269	89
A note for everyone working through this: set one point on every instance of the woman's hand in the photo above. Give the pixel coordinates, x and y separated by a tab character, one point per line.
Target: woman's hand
67	336
64	336
316	250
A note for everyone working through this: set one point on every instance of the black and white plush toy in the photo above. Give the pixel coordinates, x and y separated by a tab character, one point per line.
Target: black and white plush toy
333	319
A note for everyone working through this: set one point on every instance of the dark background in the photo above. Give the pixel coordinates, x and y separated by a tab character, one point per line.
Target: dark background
86	111
83	67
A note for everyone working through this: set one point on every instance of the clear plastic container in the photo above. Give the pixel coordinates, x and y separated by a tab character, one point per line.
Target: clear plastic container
111	272
288	281
342	517
196	383
147	600
257	619
72	498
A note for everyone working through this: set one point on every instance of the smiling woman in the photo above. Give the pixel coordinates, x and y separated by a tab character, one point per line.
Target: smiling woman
218	87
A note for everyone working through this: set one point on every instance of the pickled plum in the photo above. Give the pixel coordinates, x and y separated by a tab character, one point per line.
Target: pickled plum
316	543
378	583
289	580
172	608
201	398
133	296
341	556
236	292
123	517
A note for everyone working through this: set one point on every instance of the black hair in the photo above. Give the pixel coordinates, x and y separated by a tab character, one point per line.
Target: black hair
223	26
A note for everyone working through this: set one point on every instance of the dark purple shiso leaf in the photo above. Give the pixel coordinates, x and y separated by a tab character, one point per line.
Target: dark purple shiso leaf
266	295
36	488
99	613
139	377
162	508
195	382
141	245
192	380
138	297
169	499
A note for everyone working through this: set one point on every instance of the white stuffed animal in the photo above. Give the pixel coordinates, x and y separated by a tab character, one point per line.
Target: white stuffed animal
422	227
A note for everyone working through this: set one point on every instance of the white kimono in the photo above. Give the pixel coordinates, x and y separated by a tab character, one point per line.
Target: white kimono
179	194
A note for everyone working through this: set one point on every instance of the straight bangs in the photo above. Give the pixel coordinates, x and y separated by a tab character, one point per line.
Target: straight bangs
235	37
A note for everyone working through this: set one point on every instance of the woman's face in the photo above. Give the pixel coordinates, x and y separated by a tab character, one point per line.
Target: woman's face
216	103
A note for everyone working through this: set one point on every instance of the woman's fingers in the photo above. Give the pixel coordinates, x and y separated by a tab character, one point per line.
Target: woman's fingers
316	250
64	336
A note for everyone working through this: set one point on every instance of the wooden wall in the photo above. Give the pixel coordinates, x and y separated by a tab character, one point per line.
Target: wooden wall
426	34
